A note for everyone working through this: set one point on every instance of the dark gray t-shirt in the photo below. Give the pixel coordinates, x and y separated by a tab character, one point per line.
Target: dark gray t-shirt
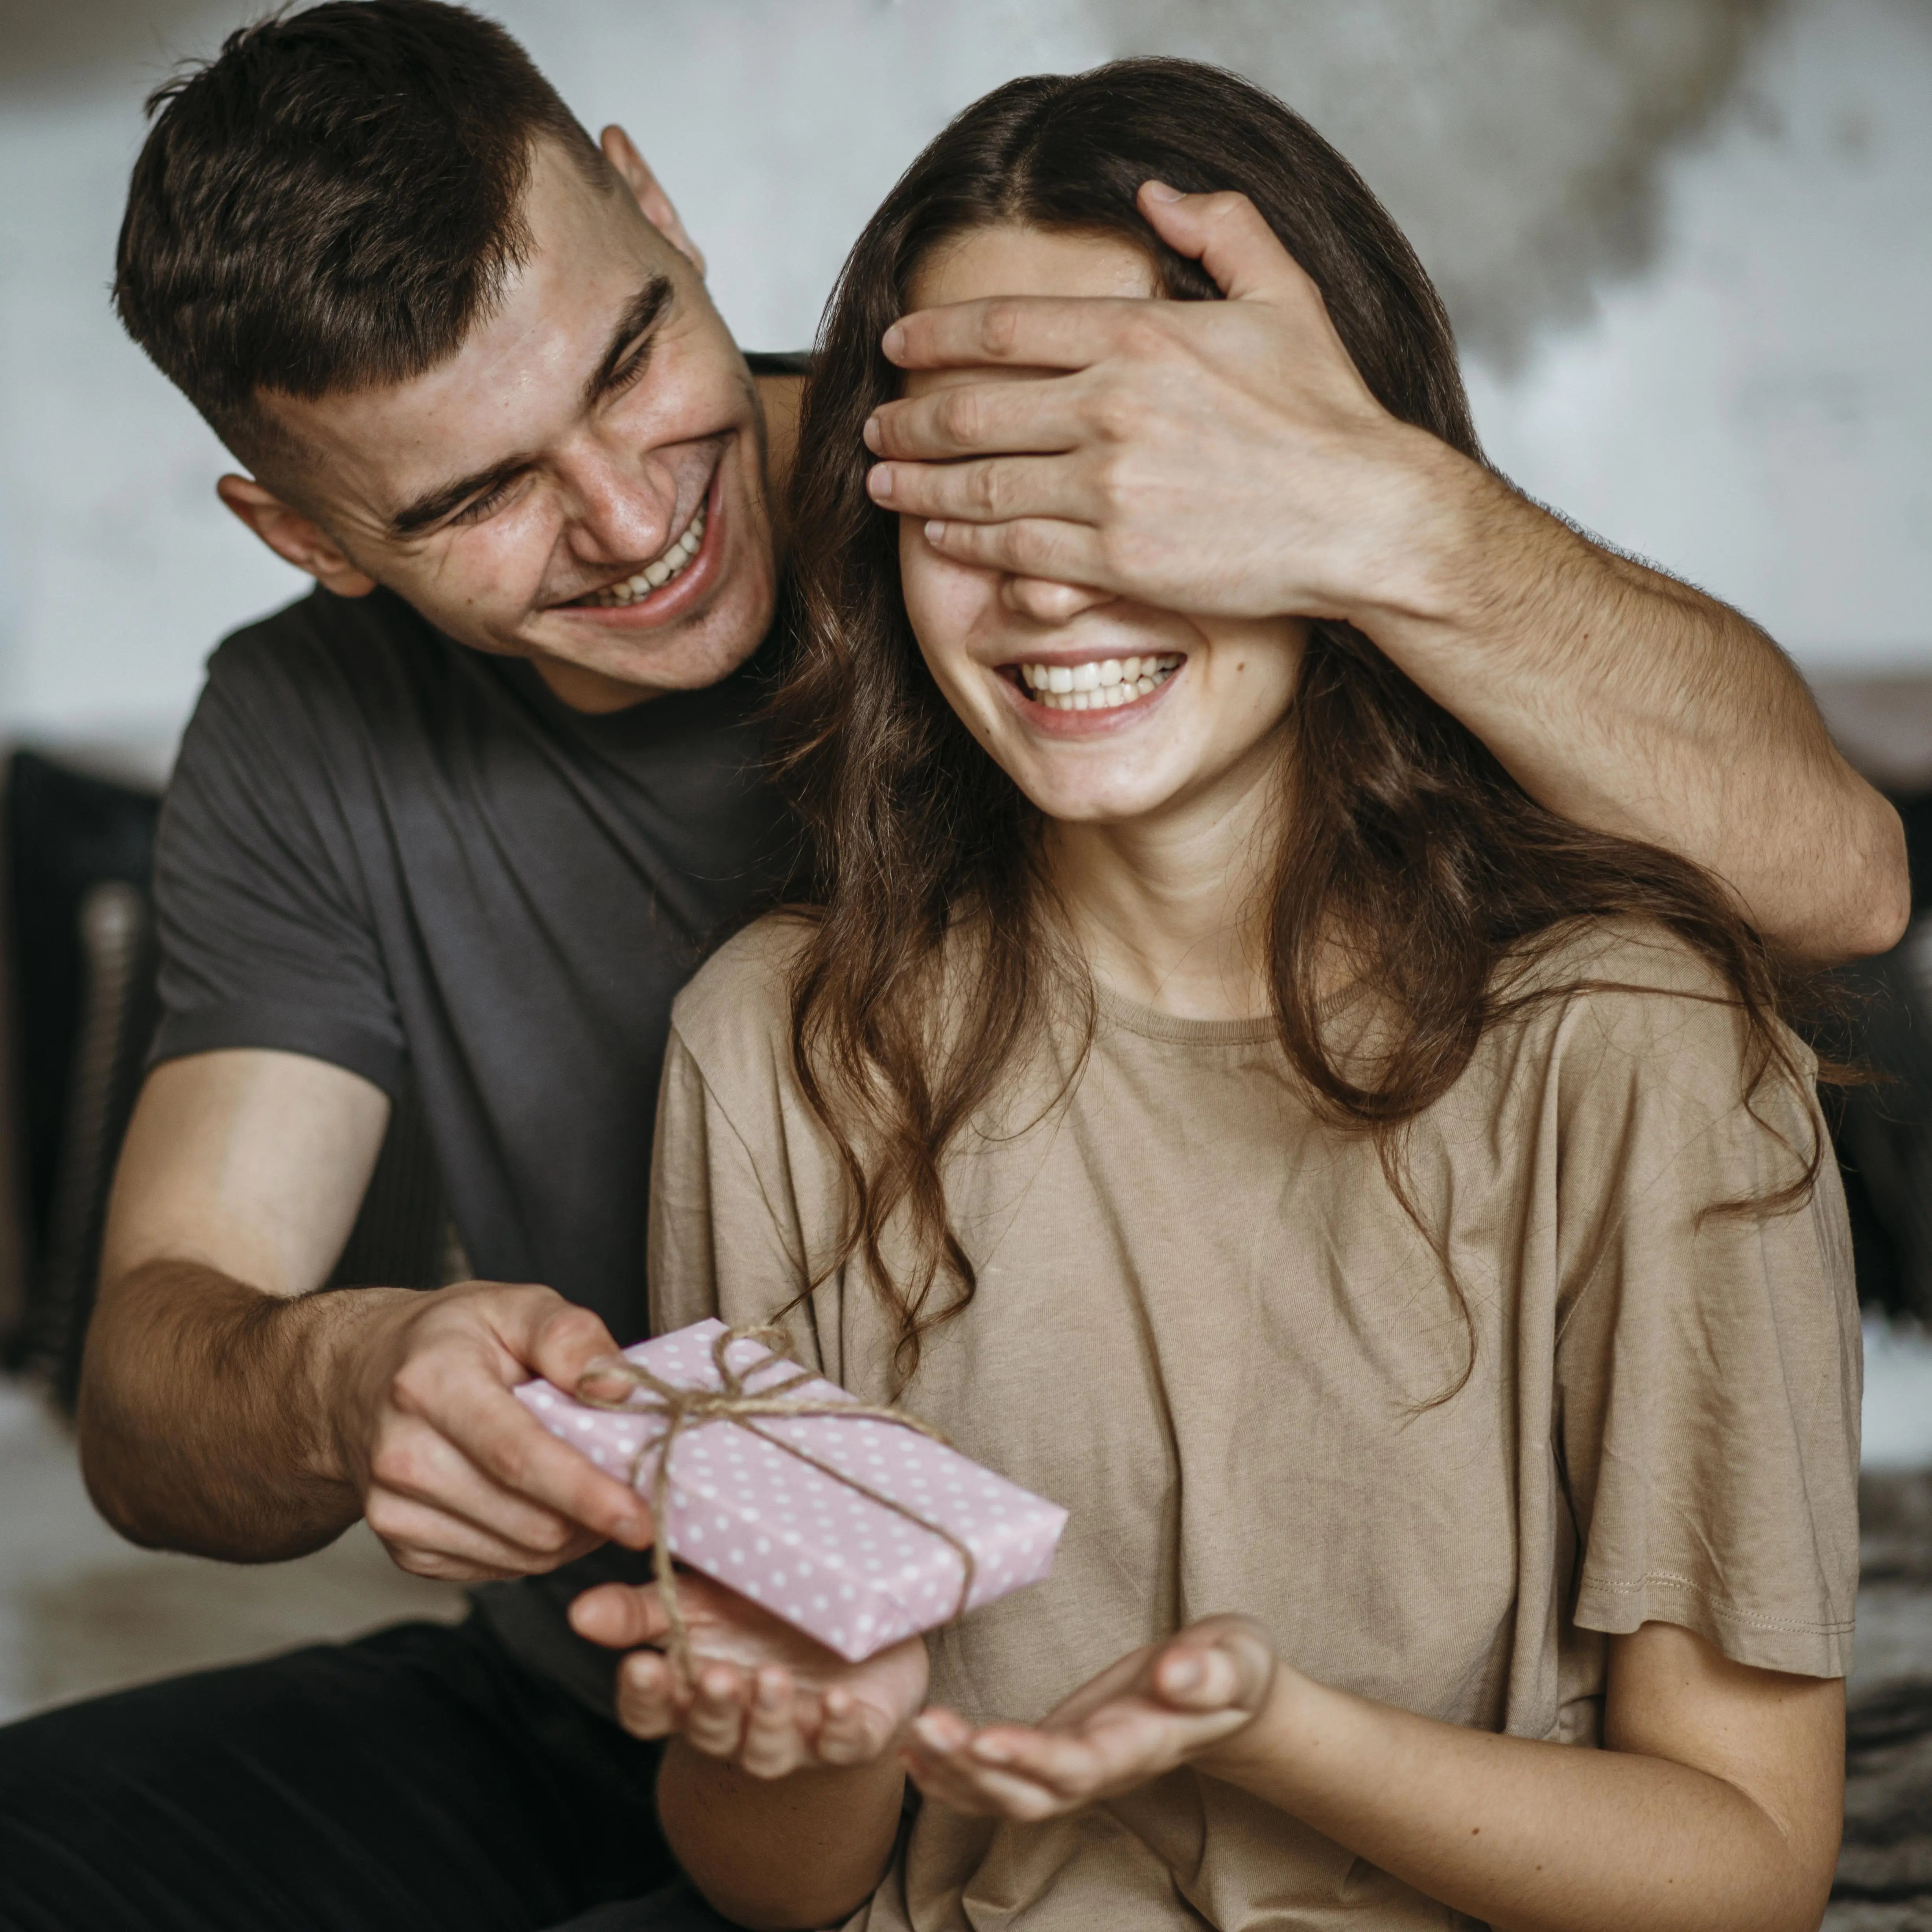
386	850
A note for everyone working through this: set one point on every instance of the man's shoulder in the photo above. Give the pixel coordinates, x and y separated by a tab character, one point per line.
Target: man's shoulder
314	641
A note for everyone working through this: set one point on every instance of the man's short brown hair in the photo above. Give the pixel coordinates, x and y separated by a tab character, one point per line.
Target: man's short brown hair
331	202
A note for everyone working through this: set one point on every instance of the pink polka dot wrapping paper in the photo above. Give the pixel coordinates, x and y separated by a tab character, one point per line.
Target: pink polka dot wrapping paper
831	1561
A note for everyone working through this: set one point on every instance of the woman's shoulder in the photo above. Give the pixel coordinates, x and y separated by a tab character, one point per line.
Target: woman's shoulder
1631	993
742	993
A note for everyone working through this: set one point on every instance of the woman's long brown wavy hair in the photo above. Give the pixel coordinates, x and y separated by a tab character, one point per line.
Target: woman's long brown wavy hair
1406	834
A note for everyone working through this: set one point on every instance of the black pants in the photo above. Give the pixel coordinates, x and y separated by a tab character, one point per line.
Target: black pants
417	1779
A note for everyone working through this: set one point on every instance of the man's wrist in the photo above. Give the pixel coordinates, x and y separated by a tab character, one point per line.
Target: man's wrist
342	1329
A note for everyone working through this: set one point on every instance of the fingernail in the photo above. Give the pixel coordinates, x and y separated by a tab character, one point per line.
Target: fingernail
1159	191
935	532
989	1751
879	481
1183	1673
893	342
930	1735
871	433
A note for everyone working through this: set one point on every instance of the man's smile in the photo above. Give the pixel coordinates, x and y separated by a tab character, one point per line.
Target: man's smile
669	563
672	585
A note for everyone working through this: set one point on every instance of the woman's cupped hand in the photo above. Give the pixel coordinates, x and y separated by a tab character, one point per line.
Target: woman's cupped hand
759	1694
1158	1707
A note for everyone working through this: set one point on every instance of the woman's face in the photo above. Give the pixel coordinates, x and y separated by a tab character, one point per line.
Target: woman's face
1099	708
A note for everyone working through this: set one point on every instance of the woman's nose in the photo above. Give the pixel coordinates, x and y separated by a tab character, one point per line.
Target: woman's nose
1044	602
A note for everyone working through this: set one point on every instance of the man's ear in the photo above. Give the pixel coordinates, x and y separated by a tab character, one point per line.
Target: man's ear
621	154
294	537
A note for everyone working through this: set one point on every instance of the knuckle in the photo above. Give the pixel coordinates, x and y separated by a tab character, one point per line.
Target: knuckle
396	1464
551	1535
1114	418
387	1517
412	1387
988	491
999	327
959	416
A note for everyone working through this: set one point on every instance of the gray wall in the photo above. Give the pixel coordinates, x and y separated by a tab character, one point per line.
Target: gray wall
1686	242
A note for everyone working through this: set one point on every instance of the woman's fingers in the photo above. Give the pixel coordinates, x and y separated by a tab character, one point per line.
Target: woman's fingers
1221	1662
773	1744
648	1699
619	1615
938	1757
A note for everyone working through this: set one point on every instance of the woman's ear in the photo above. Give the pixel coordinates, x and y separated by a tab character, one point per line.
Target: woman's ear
621	152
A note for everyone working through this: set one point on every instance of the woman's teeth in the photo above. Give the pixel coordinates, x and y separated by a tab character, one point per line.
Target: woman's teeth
1103	686
653	576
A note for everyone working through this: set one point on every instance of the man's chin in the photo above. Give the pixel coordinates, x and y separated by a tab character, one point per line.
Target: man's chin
610	665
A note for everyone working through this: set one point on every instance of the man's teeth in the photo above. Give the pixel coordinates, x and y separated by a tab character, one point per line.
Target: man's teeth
654	576
1103	686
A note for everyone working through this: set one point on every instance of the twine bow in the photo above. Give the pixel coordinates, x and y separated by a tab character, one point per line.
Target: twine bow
683	1408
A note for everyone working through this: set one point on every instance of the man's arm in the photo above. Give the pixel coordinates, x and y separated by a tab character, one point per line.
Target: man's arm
1226	457
229	1409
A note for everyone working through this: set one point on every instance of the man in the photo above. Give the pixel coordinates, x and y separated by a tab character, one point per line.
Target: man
464	819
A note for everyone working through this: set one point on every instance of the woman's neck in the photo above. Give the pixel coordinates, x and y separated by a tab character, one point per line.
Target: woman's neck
1168	908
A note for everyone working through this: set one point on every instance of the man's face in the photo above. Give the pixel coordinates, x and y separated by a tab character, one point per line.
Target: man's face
583	483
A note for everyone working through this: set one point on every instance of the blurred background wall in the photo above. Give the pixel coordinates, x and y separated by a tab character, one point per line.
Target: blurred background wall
1684	242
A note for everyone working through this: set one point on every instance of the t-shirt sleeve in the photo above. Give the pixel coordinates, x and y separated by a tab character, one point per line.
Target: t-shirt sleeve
1708	1363
265	937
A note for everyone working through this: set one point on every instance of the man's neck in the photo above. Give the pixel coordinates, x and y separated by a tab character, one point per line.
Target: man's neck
593	692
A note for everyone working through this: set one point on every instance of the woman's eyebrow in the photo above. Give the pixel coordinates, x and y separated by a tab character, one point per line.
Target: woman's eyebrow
641	315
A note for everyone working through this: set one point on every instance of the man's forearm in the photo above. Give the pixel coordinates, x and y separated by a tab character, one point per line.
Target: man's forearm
1635	704
786	1853
203	1422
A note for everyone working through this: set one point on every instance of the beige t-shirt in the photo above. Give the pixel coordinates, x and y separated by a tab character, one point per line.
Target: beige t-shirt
1205	1325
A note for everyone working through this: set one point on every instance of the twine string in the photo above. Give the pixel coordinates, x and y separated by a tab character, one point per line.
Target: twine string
731	1401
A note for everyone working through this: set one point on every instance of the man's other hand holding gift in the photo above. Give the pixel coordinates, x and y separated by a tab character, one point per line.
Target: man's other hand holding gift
236	1191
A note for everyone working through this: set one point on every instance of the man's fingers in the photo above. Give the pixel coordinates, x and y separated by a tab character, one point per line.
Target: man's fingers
506	1442
1227	236
1042	547
426	1541
1011	332
413	1462
560	1345
979	419
990	489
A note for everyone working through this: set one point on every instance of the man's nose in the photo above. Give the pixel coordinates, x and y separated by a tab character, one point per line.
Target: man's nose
1044	602
623	511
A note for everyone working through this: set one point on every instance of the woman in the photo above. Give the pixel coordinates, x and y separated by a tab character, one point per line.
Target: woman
1390	1217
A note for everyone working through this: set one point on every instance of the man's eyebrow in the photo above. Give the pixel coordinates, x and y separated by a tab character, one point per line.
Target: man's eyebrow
645	310
431	508
642	314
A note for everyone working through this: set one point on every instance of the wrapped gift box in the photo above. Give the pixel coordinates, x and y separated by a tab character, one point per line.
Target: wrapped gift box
800	1537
